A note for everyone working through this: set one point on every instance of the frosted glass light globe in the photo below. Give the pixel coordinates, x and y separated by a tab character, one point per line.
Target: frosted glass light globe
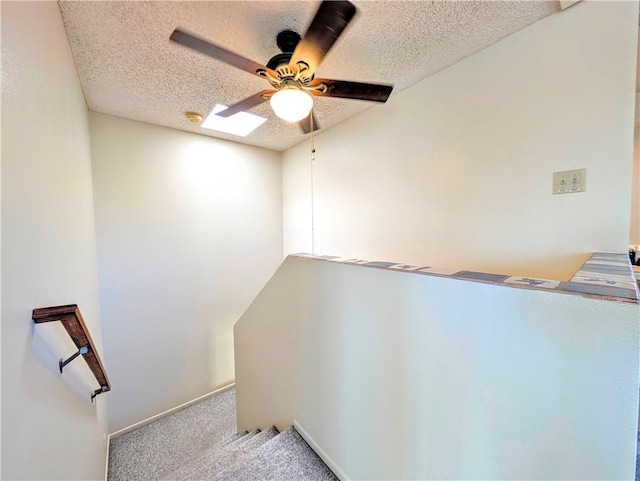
291	104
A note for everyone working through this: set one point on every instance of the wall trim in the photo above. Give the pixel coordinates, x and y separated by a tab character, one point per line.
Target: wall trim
107	439
169	411
320	452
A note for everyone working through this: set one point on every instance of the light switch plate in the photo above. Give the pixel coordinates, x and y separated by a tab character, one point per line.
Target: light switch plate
570	181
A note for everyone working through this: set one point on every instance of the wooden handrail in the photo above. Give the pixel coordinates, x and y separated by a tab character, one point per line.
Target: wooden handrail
72	321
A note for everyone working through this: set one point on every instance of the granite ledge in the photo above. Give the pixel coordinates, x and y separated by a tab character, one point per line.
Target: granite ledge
607	276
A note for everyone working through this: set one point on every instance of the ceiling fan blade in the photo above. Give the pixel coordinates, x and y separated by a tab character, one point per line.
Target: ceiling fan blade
330	21
246	104
219	53
352	90
305	124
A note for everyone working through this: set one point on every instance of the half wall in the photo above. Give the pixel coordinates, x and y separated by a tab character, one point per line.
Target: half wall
396	375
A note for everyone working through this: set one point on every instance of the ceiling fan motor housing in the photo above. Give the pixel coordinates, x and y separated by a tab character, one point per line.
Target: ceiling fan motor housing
287	41
279	61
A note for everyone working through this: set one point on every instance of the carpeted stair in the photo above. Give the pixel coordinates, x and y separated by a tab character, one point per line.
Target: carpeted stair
199	443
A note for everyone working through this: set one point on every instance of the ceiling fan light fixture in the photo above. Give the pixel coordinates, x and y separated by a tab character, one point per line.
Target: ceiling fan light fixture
291	104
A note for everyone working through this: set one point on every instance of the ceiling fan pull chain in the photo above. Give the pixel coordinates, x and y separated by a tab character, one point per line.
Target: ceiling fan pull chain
313	158
313	146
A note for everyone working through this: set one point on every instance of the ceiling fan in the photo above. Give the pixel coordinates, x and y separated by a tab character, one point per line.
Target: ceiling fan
292	72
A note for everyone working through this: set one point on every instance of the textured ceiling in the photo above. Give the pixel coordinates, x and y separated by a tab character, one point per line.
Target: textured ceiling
129	68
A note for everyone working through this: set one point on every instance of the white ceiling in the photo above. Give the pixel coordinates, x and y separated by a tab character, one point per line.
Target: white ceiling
129	68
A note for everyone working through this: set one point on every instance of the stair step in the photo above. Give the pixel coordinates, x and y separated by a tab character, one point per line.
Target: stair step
220	459
285	457
244	439
179	471
261	438
232	437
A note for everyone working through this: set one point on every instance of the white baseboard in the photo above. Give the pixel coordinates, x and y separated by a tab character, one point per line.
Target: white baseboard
169	412
320	452
106	463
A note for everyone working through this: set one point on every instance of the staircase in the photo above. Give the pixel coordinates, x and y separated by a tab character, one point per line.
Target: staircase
199	443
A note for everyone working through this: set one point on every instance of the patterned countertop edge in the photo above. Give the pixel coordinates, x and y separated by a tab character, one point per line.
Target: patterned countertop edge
606	276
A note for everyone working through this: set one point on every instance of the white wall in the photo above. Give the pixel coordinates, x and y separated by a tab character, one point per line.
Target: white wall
456	170
189	229
403	376
635	191
49	430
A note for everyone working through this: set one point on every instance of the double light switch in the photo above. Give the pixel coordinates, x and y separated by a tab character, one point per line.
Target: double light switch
570	181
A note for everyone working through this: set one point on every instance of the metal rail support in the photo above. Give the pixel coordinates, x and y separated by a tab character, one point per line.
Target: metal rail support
62	363
99	391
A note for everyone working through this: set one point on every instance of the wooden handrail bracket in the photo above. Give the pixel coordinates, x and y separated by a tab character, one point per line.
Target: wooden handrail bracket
74	324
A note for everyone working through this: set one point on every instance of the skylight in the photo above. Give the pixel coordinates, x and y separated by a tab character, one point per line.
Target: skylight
241	124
